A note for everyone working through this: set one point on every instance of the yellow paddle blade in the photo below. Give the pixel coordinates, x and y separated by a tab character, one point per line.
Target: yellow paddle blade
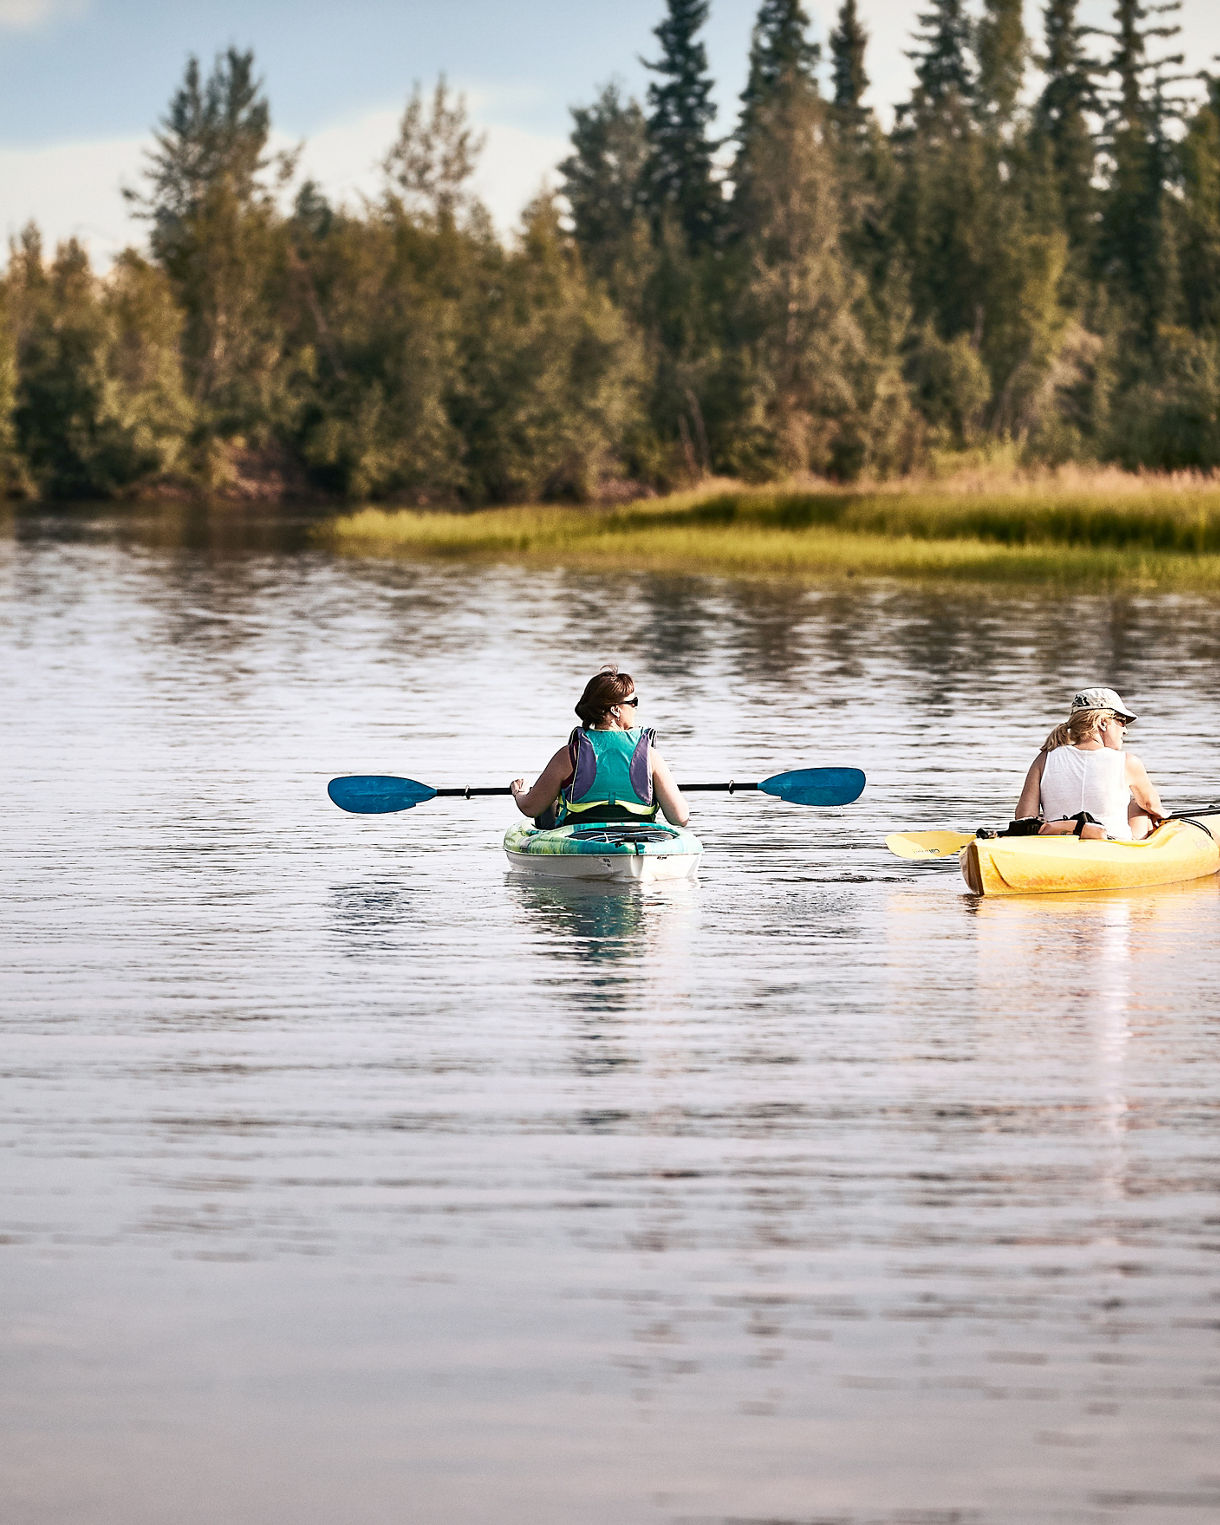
927	844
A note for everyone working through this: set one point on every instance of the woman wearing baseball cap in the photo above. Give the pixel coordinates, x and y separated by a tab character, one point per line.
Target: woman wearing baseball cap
1083	782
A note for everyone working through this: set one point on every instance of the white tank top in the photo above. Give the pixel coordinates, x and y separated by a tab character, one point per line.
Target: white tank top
1095	781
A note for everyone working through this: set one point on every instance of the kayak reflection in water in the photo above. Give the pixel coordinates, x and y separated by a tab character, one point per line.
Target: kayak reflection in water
1083	782
610	769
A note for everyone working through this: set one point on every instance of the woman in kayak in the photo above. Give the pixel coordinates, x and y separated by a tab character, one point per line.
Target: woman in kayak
609	770
1083	782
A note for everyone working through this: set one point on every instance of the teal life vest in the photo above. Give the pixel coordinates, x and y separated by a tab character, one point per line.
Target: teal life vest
611	777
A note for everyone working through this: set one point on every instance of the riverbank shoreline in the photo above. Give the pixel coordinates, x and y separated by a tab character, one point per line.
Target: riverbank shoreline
1102	527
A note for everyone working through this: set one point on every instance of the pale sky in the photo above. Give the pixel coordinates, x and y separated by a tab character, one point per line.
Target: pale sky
82	82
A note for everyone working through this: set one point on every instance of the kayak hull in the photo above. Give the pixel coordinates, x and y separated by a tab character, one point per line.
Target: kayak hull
626	854
1178	850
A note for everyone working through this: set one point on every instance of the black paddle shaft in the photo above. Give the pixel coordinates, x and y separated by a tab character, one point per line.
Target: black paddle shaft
732	786
467	794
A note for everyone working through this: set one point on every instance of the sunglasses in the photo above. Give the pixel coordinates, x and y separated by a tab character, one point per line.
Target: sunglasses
633	701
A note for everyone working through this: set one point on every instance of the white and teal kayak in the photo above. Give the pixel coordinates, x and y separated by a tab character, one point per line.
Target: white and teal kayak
622	852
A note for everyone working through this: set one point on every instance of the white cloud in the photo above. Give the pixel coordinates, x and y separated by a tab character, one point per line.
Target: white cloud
345	160
514	167
29	15
344	157
74	189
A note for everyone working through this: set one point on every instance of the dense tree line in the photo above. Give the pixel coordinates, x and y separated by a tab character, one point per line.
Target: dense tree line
1029	255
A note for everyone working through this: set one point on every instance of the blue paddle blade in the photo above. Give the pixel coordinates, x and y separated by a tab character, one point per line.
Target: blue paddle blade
377	794
816	786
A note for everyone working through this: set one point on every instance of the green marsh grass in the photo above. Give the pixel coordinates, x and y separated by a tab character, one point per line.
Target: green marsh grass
1162	532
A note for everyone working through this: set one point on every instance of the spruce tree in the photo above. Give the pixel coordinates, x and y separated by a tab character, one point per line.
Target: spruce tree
848	42
1200	175
1136	246
601	181
1002	49
942	192
214	135
679	182
941	55
783	61
1130	62
866	170
797	353
215	231
781	55
1062	125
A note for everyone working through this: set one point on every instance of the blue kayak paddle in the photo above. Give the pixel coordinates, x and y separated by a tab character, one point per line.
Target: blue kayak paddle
379	794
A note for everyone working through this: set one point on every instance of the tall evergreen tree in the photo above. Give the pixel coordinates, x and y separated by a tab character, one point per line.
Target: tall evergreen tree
866	170
601	180
214	134
783	61
1062	126
214	231
803	383
1136	244
1200	159
941	197
781	54
848	43
942	58
679	181
1002	49
1130	61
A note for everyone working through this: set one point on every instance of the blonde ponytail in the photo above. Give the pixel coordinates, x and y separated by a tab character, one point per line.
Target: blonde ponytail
1079	726
1057	738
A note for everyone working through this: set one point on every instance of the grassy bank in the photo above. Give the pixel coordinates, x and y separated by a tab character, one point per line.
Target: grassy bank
1162	532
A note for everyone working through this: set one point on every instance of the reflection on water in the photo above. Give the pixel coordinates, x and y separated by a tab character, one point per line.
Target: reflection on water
591	923
587	922
348	1174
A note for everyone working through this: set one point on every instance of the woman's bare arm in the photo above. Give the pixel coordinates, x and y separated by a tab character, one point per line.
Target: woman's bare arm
669	796
546	787
1142	788
1030	801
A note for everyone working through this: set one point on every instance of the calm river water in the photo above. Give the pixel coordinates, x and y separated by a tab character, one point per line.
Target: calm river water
347	1179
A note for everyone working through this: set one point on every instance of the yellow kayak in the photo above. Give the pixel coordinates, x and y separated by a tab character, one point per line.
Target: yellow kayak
1187	848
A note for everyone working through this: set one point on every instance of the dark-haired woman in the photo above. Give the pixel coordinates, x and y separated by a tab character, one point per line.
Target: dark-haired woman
610	769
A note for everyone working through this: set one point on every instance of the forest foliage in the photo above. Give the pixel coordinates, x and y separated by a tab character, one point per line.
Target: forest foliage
1028	256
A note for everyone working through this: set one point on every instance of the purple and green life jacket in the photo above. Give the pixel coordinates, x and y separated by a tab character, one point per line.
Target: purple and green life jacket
611	777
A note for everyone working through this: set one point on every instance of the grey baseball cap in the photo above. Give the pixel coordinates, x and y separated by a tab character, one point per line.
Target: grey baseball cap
1101	699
